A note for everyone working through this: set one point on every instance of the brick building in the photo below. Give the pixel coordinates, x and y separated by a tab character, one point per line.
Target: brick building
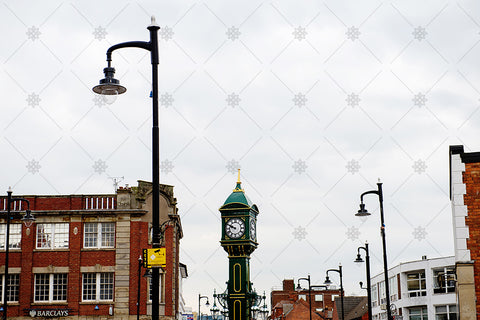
79	260
465	199
286	302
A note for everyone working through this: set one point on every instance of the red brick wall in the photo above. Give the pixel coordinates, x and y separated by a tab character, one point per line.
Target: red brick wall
56	203
75	257
74	276
170	279
138	241
471	178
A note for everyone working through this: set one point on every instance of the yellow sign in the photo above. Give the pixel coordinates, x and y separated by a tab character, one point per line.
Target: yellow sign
155	257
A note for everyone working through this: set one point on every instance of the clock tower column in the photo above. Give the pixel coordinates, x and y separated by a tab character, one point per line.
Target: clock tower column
239	239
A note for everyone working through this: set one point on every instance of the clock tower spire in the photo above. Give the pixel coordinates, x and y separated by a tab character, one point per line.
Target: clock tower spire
239	240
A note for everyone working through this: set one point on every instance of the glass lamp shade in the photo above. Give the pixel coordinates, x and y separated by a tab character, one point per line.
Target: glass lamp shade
359	258
109	86
28	219
109	89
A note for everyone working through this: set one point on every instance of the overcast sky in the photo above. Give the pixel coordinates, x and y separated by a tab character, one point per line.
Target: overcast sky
314	101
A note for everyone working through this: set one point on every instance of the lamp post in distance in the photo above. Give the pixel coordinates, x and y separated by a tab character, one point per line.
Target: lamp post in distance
140	263
309	292
362	212
215	310
367	267
200	297
328	282
28	220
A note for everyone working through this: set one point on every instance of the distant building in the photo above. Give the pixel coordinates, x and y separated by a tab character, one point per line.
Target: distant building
288	303
187	314
465	199
80	259
422	289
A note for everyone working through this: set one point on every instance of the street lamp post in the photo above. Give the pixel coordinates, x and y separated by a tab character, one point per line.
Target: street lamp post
327	281
110	86
215	310
200	297
309	292
264	310
367	266
28	219
138	285
363	212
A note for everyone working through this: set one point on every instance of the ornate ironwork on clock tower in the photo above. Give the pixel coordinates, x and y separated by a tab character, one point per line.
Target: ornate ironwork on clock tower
239	239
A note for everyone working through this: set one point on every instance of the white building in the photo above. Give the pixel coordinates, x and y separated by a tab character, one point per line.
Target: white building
419	290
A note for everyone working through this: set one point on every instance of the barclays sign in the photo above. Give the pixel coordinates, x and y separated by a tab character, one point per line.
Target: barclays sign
48	313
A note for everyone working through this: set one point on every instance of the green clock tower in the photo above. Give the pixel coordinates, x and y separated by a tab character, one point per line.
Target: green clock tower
239	239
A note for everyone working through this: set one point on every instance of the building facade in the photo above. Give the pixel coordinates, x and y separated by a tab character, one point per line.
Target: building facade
464	191
283	301
80	259
419	290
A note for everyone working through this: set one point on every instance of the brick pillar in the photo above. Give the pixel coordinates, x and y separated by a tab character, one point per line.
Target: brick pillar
169	272
471	178
26	276
74	294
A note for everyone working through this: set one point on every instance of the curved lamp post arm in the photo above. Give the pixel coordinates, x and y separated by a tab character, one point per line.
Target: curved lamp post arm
327	281
200	297
367	267
309	292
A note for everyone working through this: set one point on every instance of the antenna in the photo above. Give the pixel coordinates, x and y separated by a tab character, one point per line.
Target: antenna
116	182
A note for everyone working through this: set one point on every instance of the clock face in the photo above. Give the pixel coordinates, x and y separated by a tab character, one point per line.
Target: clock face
235	228
253	230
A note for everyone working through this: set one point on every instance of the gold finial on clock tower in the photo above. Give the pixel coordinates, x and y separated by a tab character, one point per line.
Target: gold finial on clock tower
238	187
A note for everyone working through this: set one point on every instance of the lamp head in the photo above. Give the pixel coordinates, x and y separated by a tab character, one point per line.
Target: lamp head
359	258
148	273
28	219
327	280
362	212
208	303
109	86
298	287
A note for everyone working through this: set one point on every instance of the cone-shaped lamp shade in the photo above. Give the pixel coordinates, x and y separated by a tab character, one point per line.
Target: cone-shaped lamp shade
359	259
362	212
109	85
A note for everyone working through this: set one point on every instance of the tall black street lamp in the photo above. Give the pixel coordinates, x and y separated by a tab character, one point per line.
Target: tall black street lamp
110	86
363	212
200	297
327	281
309	292
367	265
28	219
